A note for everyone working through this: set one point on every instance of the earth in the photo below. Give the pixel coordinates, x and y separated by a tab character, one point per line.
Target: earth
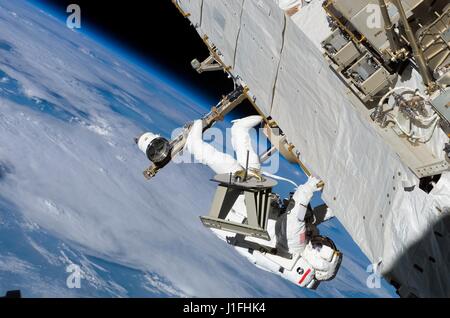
71	184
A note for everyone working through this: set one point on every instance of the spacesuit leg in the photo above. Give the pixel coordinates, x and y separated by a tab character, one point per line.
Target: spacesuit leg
208	155
242	143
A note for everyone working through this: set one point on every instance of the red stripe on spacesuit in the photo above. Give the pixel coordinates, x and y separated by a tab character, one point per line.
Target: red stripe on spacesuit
302	237
304	276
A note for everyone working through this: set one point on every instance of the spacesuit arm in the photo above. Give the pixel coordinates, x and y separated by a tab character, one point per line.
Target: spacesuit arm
295	218
208	155
303	196
300	211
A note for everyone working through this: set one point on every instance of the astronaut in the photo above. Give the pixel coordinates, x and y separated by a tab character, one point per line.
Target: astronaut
289	233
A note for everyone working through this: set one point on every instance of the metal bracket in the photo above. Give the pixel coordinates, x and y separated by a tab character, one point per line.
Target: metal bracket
432	169
257	202
150	172
177	5
208	65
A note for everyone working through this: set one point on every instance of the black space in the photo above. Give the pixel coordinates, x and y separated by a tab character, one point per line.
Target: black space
155	31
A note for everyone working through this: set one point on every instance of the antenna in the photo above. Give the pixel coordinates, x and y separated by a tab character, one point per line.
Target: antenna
246	166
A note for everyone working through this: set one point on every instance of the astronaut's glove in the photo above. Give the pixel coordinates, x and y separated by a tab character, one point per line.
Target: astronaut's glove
305	192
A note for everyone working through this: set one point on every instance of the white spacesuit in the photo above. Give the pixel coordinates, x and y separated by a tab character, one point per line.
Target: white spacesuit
290	226
310	263
291	7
